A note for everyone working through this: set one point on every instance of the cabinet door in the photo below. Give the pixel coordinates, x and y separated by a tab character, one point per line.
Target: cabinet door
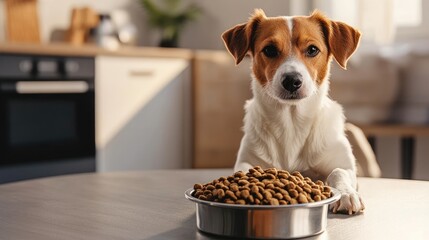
141	106
220	91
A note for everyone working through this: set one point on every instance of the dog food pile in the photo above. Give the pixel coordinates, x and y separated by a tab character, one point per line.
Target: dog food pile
263	187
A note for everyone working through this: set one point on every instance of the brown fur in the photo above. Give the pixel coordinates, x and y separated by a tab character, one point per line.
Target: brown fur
342	39
331	38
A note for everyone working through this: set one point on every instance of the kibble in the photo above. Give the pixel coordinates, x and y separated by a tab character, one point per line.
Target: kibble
263	187
274	201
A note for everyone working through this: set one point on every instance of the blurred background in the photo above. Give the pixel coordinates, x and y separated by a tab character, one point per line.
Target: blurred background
113	85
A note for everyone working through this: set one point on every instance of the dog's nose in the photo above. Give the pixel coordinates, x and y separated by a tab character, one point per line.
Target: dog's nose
292	81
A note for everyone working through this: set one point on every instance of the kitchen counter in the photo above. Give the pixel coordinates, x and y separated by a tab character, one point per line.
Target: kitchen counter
151	205
92	50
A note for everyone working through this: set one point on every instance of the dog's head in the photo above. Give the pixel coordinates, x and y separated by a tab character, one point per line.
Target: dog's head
291	55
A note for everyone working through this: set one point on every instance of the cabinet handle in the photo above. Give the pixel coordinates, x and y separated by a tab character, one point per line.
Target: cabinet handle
141	73
51	87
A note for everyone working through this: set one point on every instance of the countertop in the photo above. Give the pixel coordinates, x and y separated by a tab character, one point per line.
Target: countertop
151	205
92	50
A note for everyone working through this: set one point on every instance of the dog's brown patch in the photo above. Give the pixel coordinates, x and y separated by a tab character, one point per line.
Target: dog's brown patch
275	32
341	39
331	38
307	32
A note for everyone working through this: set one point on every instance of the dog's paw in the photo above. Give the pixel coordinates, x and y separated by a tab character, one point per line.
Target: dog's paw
349	203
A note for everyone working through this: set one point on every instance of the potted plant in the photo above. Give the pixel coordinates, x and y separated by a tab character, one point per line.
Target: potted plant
170	20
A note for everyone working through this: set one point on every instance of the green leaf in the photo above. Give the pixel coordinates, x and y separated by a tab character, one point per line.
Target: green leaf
170	17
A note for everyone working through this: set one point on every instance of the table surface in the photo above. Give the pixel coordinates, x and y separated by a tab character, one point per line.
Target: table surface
151	205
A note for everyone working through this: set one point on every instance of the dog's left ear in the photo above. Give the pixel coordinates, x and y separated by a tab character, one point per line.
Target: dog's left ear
341	39
239	39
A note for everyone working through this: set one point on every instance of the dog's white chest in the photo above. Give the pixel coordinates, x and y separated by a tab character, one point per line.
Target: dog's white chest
278	139
288	143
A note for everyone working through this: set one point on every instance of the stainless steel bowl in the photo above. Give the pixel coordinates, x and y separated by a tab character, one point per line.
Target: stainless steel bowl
262	221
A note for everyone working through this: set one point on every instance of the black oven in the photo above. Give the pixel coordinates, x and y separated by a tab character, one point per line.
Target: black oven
46	115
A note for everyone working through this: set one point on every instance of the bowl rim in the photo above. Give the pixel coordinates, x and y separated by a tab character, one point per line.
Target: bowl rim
334	198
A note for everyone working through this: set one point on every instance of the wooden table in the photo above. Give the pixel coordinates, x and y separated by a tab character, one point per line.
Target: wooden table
151	205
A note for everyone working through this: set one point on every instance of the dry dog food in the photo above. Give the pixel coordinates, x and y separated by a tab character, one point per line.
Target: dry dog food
263	187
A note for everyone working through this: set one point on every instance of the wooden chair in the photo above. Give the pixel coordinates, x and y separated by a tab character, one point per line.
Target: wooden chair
366	162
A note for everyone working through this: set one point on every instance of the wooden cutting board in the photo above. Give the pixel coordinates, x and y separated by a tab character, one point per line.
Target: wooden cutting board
22	21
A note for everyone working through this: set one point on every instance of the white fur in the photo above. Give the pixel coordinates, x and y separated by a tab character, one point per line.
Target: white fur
305	135
289	22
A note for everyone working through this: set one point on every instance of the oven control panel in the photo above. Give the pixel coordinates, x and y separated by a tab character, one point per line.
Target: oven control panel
46	67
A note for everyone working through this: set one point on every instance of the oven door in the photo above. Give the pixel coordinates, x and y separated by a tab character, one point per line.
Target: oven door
43	121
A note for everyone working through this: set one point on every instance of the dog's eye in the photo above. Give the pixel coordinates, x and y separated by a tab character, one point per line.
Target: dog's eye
312	51
270	51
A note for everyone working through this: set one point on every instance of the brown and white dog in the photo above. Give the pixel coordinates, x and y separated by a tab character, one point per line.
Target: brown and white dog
291	123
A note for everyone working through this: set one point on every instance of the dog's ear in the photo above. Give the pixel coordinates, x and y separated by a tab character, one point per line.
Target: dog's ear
239	39
341	39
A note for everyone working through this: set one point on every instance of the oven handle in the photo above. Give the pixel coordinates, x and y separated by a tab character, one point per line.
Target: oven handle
51	87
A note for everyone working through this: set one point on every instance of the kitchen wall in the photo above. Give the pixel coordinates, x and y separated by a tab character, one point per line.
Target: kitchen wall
220	15
205	33
56	14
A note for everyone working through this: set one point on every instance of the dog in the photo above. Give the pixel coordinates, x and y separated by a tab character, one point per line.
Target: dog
291	123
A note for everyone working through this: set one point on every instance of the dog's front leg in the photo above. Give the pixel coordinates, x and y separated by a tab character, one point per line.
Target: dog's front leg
339	168
345	181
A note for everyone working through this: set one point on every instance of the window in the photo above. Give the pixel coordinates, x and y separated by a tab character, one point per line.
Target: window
407	13
381	21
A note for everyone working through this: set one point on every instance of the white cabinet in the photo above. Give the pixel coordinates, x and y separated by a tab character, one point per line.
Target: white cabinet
142	113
